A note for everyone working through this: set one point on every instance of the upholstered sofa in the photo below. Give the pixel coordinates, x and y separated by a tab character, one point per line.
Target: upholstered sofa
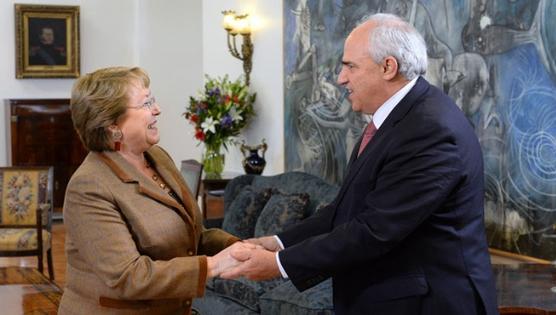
264	205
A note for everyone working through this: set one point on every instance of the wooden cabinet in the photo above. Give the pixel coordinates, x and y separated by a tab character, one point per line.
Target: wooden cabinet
42	134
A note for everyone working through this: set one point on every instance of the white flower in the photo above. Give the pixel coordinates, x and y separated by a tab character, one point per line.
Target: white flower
235	115
209	125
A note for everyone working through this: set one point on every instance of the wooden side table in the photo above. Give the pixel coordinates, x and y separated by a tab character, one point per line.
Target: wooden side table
212	192
27	291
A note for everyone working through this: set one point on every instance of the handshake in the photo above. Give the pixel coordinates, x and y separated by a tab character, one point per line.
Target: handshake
254	259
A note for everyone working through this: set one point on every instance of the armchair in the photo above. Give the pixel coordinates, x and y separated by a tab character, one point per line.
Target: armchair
26	213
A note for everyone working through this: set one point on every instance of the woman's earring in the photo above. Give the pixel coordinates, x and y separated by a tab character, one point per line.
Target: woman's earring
117	136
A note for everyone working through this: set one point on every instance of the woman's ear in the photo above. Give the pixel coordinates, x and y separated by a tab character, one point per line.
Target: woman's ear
116	135
390	68
112	128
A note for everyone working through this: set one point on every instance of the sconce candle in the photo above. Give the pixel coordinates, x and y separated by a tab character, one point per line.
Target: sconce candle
242	25
229	20
239	24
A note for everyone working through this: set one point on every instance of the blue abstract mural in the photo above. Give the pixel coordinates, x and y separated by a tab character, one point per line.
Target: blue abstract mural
495	58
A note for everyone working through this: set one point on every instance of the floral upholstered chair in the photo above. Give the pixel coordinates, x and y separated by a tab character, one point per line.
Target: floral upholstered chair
26	213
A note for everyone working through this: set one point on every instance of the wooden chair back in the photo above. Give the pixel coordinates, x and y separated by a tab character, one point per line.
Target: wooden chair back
192	170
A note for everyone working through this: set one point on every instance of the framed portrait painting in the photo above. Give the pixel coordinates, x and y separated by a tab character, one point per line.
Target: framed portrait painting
47	41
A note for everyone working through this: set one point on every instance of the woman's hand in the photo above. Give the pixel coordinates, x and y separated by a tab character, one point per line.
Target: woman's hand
223	261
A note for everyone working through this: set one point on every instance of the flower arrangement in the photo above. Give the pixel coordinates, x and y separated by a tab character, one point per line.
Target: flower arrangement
218	114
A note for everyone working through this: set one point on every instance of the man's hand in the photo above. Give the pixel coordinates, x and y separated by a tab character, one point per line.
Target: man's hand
257	264
224	261
268	242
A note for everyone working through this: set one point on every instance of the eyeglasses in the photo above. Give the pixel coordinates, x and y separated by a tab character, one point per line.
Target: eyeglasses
148	104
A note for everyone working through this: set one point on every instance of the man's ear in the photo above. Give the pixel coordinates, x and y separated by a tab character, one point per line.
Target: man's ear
389	68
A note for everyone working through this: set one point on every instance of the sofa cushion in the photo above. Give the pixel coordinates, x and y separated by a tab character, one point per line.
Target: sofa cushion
318	190
244	291
214	303
241	216
22	239
238	291
281	210
285	299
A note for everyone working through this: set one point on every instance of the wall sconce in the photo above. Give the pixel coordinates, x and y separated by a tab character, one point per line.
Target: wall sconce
235	24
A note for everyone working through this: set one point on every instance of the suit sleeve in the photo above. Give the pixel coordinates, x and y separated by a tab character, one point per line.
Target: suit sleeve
318	223
100	234
414	180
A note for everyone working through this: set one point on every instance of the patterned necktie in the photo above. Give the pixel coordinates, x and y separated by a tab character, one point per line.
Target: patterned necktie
368	134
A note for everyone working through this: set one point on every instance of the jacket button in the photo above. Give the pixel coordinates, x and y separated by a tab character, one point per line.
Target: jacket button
190	253
188	302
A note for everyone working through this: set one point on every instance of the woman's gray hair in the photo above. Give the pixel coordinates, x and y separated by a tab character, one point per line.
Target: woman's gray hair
392	36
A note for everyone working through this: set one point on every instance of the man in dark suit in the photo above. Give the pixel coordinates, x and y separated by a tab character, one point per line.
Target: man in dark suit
405	235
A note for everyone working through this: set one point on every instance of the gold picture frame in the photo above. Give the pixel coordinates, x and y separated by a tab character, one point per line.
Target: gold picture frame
46	41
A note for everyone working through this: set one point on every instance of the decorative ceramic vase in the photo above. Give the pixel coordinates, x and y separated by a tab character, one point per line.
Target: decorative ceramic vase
253	163
213	161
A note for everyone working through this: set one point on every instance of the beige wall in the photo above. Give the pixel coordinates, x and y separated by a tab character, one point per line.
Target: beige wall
169	36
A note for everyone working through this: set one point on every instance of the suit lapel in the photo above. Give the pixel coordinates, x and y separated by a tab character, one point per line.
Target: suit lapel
128	174
399	112
175	181
353	156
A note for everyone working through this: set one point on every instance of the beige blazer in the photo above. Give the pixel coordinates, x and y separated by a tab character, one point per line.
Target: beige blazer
131	247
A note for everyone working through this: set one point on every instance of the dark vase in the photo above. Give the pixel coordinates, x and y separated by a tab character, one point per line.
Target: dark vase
253	163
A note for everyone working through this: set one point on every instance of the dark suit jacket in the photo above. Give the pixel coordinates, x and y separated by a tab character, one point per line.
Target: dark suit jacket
405	235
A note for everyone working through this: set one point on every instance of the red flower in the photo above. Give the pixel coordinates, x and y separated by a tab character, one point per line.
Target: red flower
199	135
194	118
227	99
236	100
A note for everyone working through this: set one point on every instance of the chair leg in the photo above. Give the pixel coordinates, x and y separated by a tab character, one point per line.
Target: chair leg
40	265
50	265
